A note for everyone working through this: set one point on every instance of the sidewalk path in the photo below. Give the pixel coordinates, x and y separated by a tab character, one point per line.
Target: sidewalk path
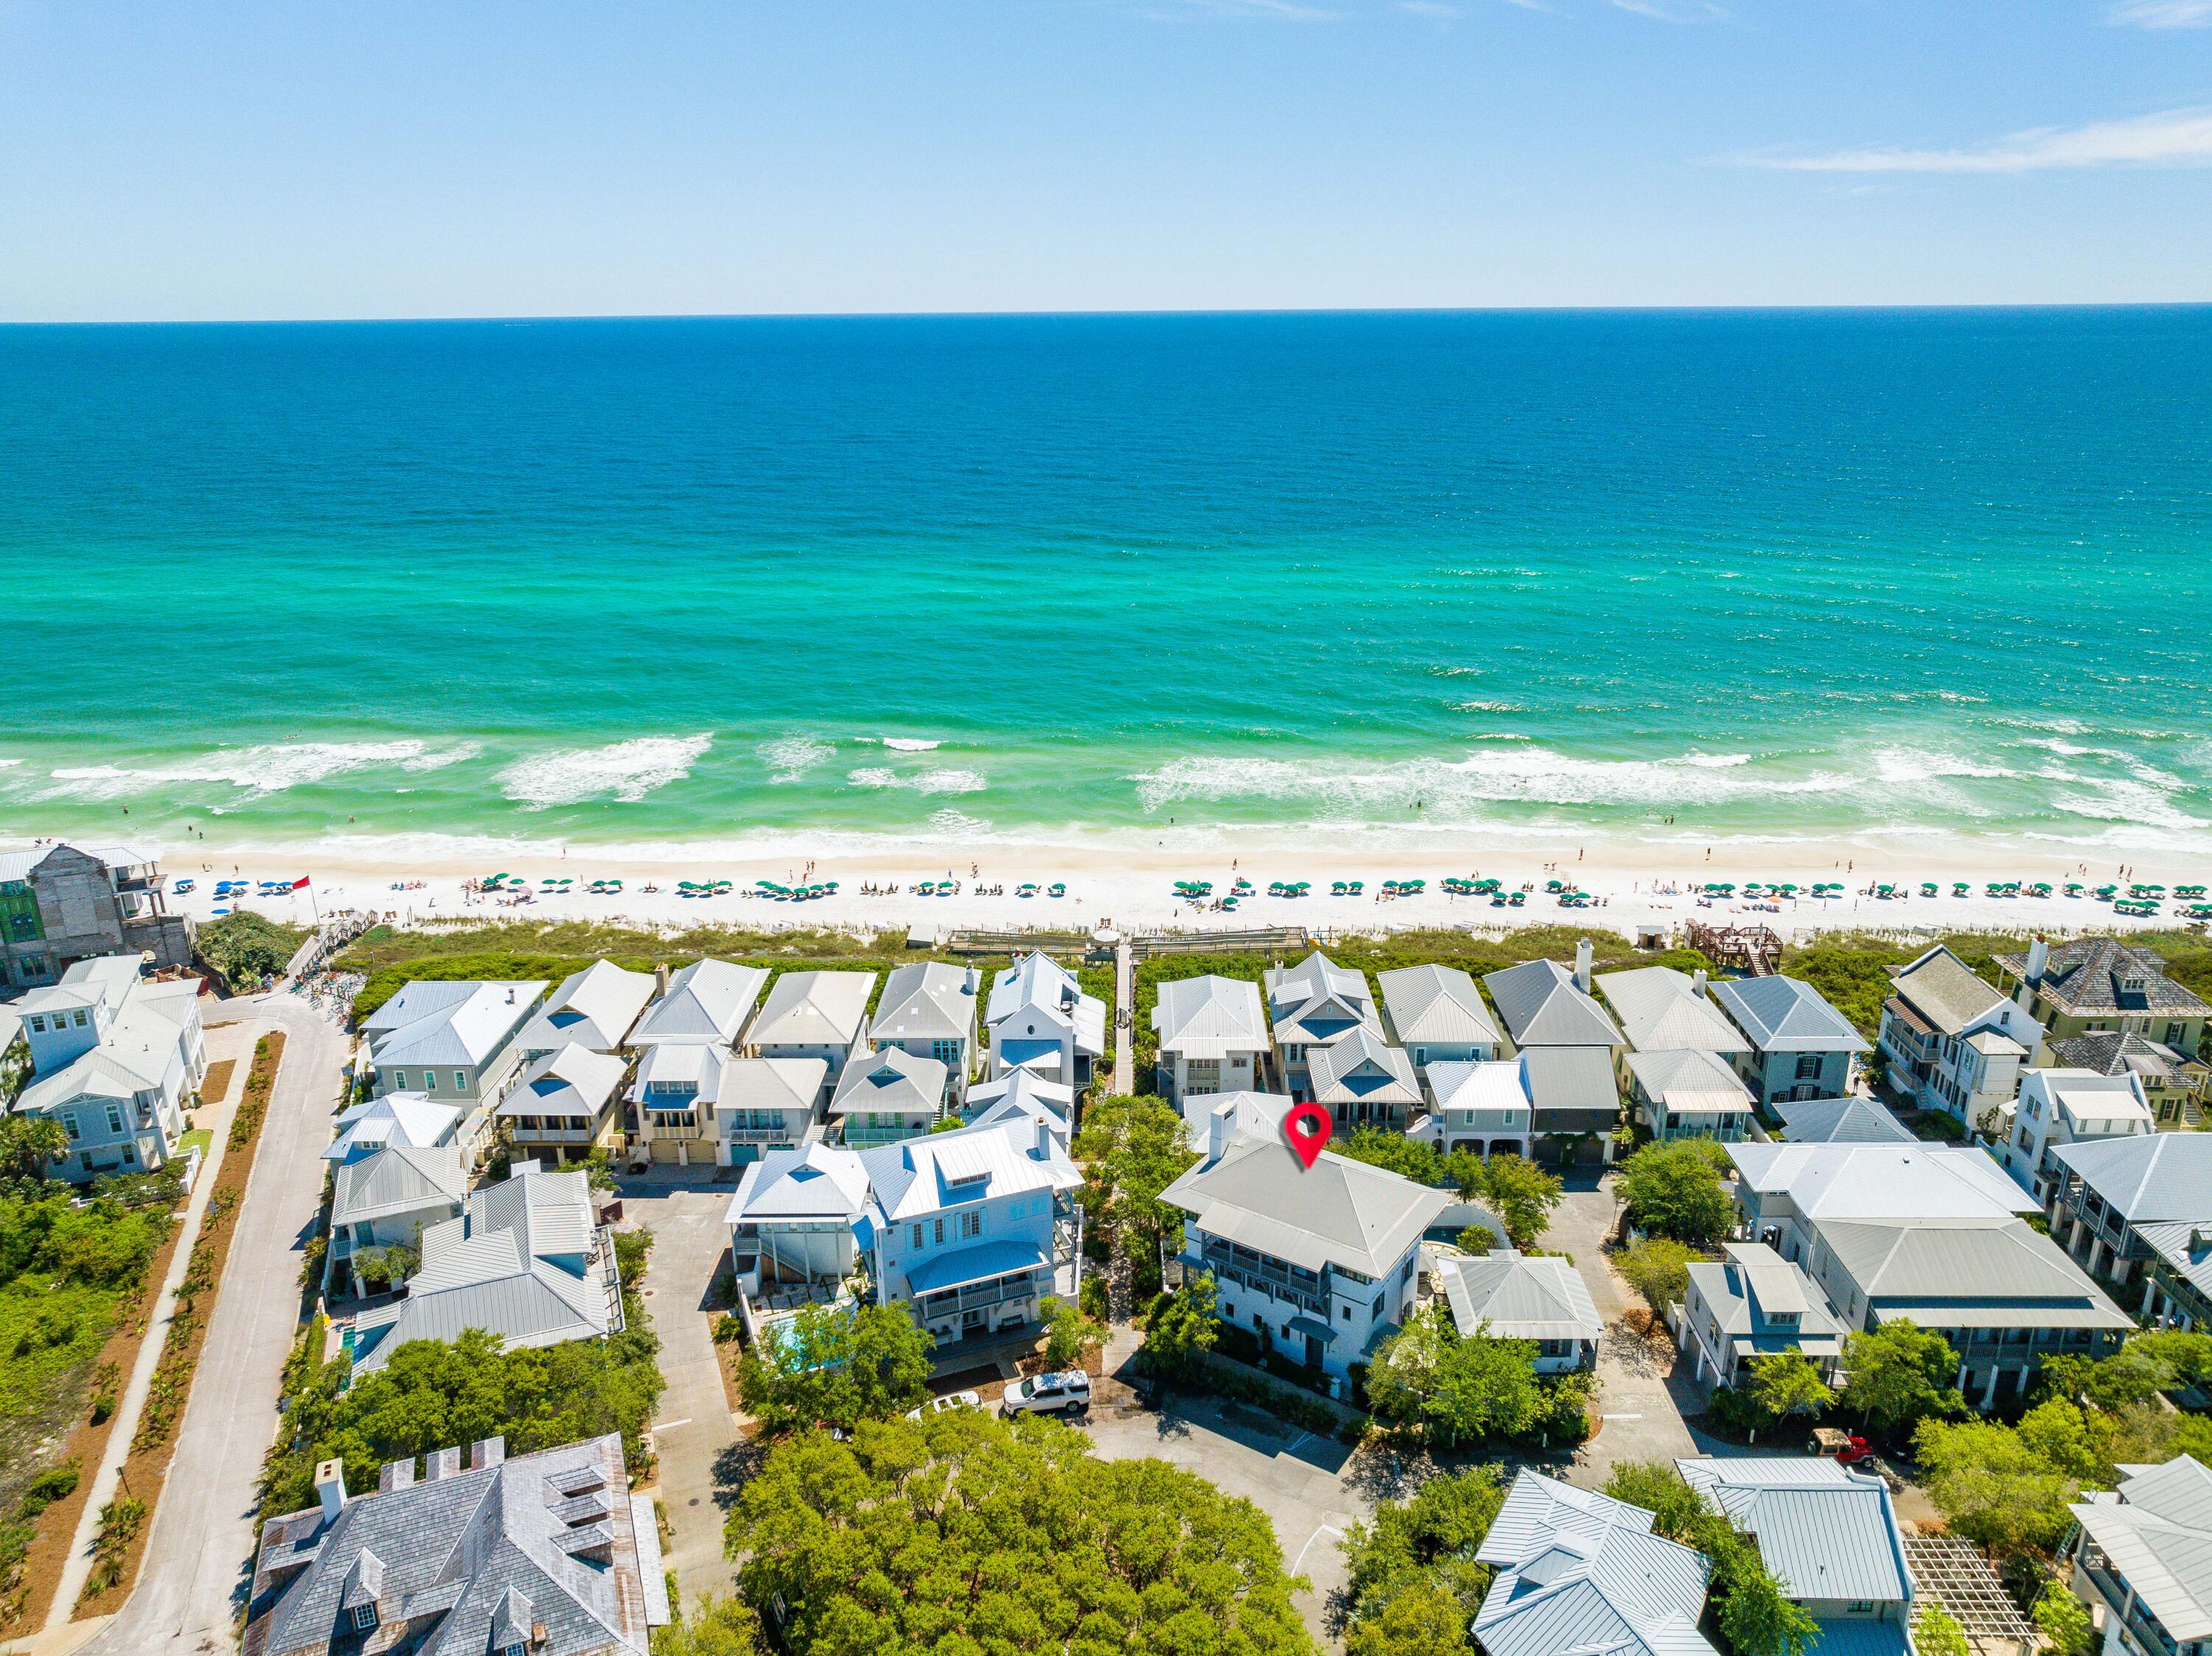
1125	1016
191	1585
684	1208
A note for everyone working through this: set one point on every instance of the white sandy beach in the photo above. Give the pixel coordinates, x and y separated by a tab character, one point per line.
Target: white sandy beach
1127	888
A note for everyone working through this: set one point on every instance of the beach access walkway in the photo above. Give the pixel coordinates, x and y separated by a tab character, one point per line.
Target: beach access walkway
1125	1016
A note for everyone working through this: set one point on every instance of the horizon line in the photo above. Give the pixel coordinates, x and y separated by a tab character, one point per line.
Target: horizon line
1109	312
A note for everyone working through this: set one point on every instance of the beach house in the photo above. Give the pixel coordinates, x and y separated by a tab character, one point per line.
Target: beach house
2066	1107
888	1095
1019	1094
565	1105
972	1229
2099	986
706	1004
1830	1538
1853	1120
1438	1015
545	1555
594	1009
764	1104
1800	1046
1362	1081
1897	1233
929	1009
453	1042
404	1120
1544	1004
116	1059
672	1099
1483	1108
384	1200
2173	1083
1753	1303
1577	1571
60	904
1679	1092
1953	1043
526	1259
1213	1038
1318	1263
796	1218
2124	1202
1513	1296
1310	1005
2142	1556
822	1014
1039	1019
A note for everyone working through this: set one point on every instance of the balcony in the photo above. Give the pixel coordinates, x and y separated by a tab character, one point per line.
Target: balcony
524	1135
1264	1275
760	1135
979	1296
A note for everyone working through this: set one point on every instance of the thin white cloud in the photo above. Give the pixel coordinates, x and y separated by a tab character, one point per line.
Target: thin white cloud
2174	138
1428	8
2163	13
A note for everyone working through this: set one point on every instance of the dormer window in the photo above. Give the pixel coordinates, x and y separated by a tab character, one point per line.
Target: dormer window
364	1619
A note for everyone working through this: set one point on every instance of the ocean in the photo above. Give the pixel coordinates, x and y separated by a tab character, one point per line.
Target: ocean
1674	576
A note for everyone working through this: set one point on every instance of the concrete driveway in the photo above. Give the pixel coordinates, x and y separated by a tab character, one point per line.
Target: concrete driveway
1639	1395
695	1433
1311	1489
192	1583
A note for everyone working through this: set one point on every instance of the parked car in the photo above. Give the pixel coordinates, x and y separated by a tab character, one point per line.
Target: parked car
950	1400
1067	1393
1848	1447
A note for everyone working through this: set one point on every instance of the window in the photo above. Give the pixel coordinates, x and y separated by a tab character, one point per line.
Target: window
1808	1066
1859	1607
945	1052
460	1081
971	1223
917	1236
1420	1055
69	1126
114	1119
38	1024
937	1226
364	1617
429	1080
80	1017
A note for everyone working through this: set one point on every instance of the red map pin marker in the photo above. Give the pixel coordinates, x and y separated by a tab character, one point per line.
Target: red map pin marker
1306	1128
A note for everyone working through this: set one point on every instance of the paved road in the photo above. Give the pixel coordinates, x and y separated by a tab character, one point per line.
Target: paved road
192	1585
1637	1391
684	1208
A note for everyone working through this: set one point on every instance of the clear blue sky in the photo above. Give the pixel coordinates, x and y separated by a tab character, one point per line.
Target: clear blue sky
443	157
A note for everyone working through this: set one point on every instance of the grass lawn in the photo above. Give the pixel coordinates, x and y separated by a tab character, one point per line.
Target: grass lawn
199	1138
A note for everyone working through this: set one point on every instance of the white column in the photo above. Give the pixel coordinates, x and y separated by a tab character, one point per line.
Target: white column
1990	1393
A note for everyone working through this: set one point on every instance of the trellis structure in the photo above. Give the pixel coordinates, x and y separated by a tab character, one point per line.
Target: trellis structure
1754	950
1953	1573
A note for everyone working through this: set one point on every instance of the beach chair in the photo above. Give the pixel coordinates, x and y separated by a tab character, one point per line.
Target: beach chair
1518	899
1055	890
1356	888
1961	889
1336	888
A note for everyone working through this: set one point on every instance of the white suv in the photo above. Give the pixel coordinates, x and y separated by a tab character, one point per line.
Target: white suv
1066	1393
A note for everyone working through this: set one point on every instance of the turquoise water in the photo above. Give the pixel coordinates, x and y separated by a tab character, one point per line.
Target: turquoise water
1657	575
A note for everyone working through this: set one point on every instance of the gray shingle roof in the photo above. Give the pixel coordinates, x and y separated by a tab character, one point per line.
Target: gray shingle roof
1944	990
1840	1121
2146	1176
1438	1005
1781	1014
2086	978
456	1554
2112	1052
1542	1007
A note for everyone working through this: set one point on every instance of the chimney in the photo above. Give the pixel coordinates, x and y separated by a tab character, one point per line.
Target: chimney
1044	1140
487	1453
661	979
396	1475
1216	1132
1583	965
1698	982
442	1463
329	1488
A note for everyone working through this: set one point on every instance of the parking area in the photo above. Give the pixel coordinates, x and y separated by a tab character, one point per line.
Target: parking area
694	1432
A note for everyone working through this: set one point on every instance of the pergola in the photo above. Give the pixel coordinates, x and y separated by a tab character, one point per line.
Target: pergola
1954	1573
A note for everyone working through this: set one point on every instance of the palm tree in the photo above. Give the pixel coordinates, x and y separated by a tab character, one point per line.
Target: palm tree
31	1144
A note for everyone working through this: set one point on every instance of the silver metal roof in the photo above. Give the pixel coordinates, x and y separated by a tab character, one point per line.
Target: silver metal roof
1781	1015
2147	1176
1438	1005
1542	1007
1520	1298
1338	1212
1821	1540
1840	1121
